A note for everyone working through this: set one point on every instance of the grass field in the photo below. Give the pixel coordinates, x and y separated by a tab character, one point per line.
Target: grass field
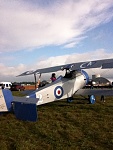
61	126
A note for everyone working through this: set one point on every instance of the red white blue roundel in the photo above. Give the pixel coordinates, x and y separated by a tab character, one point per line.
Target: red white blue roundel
58	92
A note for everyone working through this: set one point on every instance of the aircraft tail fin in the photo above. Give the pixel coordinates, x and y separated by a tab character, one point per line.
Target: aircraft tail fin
6	99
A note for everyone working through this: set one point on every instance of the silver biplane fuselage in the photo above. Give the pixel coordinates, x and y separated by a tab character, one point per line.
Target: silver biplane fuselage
63	87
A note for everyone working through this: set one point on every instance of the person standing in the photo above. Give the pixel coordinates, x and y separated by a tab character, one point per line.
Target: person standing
102	98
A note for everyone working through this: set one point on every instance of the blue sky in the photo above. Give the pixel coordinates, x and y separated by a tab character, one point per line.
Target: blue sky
38	33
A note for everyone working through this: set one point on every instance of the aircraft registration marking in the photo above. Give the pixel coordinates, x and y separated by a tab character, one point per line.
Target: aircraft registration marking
87	64
2	106
58	92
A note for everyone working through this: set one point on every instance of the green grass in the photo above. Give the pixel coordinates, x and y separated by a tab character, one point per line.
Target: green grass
61	126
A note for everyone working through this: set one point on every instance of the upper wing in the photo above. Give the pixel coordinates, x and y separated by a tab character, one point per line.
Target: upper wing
105	63
44	70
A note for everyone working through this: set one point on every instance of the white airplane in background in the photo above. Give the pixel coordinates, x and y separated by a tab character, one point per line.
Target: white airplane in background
63	87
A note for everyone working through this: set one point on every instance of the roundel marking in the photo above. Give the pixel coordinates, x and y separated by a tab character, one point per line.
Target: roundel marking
58	92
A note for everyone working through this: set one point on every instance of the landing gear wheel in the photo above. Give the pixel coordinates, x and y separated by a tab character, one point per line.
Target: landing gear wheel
69	100
91	99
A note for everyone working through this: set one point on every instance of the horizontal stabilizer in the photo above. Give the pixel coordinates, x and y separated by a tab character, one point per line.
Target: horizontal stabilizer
25	100
96	92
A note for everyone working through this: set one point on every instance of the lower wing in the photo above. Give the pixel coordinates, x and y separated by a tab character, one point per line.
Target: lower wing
96	92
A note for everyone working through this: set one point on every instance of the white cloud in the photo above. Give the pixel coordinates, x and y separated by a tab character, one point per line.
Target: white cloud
25	25
76	41
11	71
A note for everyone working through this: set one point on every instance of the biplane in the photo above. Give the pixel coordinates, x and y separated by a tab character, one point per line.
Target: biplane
64	87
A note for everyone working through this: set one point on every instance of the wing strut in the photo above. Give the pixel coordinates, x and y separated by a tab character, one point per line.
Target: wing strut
37	82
